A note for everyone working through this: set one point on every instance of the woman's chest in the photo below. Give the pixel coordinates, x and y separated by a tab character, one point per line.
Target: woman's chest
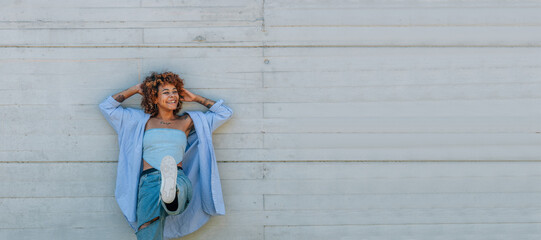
181	124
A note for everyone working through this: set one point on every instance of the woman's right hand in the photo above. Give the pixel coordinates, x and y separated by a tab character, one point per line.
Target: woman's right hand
139	88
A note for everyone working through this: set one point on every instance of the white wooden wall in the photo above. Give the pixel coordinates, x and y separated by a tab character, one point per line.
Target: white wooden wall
354	119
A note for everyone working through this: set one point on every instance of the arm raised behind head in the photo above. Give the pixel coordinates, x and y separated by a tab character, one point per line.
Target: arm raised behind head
218	113
121	96
113	112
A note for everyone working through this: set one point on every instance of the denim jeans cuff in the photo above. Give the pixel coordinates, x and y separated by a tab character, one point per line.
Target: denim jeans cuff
179	207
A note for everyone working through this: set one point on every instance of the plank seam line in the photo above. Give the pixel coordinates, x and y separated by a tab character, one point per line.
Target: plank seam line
310	161
391	193
378	161
403	25
276	46
263	27
67	197
401	224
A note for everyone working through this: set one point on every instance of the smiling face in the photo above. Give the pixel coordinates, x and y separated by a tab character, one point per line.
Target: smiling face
168	97
159	93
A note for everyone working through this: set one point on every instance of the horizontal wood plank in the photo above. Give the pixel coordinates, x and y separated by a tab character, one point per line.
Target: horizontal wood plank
400	201
436	153
451	109
131	14
208	231
67	37
369	15
106	205
65	232
381	186
399	75
404	216
526	36
500	231
347	4
404	140
73	3
38	54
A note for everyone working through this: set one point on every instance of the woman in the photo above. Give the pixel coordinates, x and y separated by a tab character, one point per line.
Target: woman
157	196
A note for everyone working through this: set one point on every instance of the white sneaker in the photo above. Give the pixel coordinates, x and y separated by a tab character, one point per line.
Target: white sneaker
168	169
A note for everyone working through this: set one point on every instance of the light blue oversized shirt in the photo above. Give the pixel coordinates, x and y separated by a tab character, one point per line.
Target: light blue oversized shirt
199	164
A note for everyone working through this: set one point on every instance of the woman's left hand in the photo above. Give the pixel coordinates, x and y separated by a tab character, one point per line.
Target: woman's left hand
187	96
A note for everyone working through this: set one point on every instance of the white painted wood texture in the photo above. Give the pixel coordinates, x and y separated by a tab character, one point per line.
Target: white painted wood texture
353	119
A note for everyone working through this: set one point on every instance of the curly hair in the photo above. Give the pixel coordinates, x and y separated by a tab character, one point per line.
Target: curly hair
150	90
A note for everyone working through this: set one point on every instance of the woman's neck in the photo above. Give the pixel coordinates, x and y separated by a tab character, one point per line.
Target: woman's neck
166	115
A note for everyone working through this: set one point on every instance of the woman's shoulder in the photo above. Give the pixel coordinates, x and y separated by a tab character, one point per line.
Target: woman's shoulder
136	113
193	112
135	110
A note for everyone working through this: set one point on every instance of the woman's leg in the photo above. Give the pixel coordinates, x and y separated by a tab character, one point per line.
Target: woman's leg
152	211
148	207
184	195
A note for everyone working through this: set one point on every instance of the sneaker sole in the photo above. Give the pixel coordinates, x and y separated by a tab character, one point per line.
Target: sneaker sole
168	169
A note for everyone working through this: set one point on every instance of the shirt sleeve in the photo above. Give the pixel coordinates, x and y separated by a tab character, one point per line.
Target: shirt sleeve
218	114
113	112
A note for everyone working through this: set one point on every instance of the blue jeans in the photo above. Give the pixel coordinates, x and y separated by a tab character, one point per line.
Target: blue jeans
150	206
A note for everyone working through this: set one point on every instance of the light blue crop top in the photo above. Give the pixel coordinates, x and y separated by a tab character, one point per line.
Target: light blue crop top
160	142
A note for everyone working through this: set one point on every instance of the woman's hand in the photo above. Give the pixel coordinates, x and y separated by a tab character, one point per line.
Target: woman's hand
187	96
139	88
